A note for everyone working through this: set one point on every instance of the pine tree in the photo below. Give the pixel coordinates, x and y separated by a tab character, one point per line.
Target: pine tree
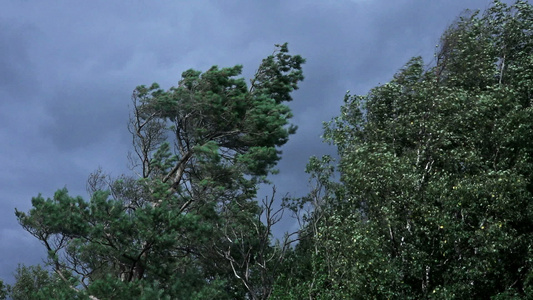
188	225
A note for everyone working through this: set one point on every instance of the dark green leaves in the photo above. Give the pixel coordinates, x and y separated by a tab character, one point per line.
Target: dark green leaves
188	227
436	175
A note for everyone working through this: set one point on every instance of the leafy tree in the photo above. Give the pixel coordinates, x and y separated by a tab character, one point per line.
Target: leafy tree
188	226
3	290
35	282
436	172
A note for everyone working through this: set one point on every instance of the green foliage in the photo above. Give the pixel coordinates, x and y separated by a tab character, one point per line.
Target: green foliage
3	290
35	282
436	176
188	227
218	109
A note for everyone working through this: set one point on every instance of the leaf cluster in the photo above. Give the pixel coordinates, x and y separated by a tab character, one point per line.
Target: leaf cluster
435	190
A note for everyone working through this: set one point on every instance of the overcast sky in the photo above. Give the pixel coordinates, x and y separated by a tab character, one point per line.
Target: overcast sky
67	71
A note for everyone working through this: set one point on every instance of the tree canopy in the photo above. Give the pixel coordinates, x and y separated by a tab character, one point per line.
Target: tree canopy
186	225
435	193
429	197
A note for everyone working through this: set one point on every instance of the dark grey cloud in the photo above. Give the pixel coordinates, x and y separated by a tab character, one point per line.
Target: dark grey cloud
15	62
67	71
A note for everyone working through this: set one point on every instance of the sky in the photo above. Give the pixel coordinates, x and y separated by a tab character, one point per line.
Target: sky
67	71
